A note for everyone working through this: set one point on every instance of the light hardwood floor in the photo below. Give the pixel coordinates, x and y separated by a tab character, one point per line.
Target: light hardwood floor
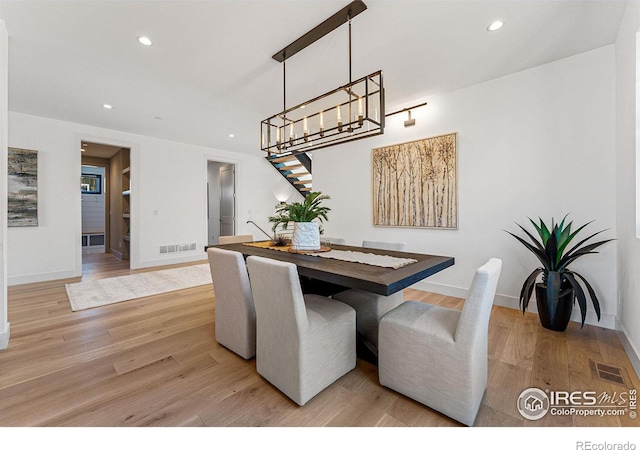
155	362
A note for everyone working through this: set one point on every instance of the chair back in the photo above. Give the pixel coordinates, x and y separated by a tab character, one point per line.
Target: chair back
281	316
332	240
235	239
474	320
394	246
235	311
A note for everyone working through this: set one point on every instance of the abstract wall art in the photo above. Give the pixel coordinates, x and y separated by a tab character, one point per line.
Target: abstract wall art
23	188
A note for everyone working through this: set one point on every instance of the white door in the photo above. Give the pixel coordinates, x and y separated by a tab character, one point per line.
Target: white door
227	200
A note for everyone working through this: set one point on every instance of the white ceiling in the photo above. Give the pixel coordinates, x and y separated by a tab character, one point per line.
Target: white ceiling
209	71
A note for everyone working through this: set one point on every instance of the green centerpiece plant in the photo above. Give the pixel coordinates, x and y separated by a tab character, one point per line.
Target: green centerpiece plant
306	216
560	287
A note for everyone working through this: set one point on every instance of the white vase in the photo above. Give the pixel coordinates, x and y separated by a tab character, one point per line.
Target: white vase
306	236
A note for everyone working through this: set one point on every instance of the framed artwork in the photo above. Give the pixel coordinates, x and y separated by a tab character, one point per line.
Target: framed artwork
415	184
22	188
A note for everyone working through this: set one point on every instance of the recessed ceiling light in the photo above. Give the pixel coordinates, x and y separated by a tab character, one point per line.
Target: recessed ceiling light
144	40
495	25
232	135
106	106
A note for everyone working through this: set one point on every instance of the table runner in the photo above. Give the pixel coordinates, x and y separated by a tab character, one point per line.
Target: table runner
371	259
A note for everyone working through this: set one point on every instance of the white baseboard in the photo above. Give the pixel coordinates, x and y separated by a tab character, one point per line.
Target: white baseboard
4	336
192	257
630	349
606	320
39	277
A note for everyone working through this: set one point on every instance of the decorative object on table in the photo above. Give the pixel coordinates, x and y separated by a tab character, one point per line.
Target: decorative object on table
560	286
281	241
22	203
306	216
277	240
415	184
352	111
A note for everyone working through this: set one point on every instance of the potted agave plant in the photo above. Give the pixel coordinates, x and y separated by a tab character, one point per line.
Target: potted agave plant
560	287
306	216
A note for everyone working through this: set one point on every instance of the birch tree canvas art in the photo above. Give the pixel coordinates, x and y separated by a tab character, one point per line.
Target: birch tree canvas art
415	184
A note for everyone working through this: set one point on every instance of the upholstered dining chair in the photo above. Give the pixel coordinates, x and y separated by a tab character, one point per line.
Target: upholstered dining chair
332	240
438	356
371	307
235	313
304	342
397	246
235	239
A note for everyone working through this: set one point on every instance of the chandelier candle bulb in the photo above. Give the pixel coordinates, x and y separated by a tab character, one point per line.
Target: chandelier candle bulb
321	124
360	113
306	129
339	118
291	133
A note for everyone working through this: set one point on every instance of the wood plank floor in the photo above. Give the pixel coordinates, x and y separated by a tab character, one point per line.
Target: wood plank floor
155	362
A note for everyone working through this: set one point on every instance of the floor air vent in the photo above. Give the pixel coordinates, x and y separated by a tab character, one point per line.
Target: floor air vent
609	373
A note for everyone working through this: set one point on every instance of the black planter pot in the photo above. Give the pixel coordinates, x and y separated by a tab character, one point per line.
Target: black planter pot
562	315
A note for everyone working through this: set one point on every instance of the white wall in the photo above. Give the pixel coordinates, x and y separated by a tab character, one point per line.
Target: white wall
539	142
168	197
627	145
4	47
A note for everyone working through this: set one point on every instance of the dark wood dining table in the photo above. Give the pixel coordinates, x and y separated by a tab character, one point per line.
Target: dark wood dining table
354	275
326	276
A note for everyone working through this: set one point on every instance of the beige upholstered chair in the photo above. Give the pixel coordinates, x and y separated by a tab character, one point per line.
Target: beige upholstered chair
371	307
304	343
397	246
235	239
438	356
332	240
235	312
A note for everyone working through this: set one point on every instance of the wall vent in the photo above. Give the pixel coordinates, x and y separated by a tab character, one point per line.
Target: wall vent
176	248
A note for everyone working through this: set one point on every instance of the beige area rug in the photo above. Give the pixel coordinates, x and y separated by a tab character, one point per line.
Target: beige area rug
94	293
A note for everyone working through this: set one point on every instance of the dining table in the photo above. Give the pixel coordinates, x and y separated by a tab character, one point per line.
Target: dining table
322	274
338	274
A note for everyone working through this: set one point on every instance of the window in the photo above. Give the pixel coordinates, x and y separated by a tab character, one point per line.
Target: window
91	183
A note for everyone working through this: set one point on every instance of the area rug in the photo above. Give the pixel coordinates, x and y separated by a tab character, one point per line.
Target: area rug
94	293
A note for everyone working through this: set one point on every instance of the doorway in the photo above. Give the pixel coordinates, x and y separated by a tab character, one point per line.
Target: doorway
221	200
106	214
93	188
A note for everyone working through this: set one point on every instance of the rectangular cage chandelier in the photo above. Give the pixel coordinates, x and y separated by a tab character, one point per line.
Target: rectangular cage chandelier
350	112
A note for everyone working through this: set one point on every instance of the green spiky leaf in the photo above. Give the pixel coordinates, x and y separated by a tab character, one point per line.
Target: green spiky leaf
551	251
